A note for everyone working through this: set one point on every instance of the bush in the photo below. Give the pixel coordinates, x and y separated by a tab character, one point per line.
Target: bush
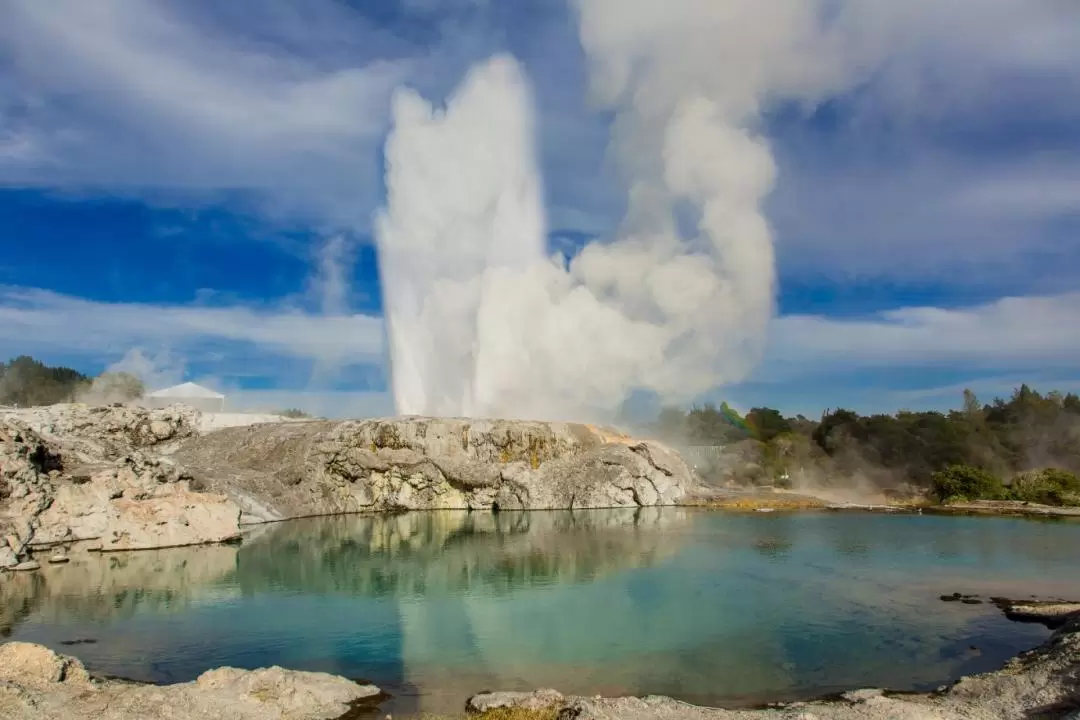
1050	486
963	482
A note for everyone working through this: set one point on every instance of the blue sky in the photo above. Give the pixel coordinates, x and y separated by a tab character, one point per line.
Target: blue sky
186	190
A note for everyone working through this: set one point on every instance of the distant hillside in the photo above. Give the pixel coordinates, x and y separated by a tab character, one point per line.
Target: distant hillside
26	382
1005	438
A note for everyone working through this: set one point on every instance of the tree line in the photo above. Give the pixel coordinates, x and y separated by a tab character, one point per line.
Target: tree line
26	382
1003	440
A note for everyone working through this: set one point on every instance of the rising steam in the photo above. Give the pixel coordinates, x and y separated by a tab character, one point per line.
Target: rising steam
482	323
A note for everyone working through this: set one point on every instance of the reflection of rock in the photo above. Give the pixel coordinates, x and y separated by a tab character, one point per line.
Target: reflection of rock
449	551
287	470
38	684
102	587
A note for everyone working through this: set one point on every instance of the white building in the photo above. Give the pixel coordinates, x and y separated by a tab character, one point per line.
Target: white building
188	393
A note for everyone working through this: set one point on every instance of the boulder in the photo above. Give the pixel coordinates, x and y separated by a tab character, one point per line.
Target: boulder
38	684
37	667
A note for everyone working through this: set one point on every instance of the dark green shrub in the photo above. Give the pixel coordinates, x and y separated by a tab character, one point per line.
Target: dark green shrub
1050	486
963	482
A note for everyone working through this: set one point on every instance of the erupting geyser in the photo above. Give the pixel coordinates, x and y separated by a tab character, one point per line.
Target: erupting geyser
464	210
483	323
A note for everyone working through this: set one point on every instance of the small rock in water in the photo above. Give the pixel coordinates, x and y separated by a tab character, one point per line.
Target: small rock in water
861	696
28	565
971	601
58	559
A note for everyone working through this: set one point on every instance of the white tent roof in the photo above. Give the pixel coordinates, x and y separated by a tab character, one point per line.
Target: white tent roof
186	390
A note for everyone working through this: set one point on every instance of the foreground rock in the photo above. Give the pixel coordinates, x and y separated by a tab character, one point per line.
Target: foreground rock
282	470
38	684
1042	683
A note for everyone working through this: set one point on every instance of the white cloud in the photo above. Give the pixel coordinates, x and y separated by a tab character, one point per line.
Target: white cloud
35	320
121	95
1010	333
1036	193
809	361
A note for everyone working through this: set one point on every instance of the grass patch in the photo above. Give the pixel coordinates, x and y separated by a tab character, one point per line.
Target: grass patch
752	504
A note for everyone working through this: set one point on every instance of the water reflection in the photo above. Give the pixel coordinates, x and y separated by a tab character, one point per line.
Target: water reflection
428	554
432	606
115	586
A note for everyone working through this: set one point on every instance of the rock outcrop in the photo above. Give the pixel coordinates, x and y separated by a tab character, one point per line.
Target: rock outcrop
38	684
1042	683
128	478
73	473
277	471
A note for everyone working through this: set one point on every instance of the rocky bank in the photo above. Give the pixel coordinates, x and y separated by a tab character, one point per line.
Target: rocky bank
38	684
129	478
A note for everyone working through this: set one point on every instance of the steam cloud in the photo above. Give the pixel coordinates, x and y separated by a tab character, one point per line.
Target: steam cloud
482	323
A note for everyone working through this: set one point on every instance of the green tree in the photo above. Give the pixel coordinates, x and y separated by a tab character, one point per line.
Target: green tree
26	382
1050	486
963	482
768	423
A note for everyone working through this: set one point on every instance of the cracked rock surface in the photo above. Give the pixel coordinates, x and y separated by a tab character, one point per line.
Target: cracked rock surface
73	473
276	471
130	478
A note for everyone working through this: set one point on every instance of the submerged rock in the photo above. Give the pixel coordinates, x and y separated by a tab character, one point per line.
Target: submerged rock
38	684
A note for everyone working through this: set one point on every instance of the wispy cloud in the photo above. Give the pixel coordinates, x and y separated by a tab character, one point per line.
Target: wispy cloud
153	94
43	321
1010	334
995	342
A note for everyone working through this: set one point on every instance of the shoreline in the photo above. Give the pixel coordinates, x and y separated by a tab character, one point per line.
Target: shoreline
37	683
796	502
735	506
121	479
1037	683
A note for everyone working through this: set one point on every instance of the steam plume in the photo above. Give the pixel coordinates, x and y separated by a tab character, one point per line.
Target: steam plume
483	324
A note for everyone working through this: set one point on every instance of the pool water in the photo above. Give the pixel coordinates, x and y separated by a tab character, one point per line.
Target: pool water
712	608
